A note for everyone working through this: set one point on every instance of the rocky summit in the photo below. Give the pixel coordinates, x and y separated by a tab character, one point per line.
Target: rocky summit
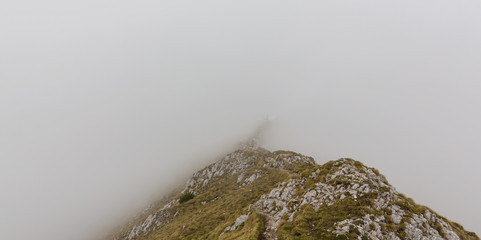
254	194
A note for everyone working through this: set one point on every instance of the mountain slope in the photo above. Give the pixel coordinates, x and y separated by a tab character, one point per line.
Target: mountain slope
256	194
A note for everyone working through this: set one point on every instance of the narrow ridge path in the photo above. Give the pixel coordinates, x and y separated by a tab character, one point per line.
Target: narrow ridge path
269	231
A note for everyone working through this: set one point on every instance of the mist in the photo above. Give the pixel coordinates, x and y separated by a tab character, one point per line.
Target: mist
107	105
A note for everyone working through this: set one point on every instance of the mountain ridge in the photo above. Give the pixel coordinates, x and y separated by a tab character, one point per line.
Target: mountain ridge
253	193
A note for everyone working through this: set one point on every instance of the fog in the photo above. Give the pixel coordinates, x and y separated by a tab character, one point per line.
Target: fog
107	105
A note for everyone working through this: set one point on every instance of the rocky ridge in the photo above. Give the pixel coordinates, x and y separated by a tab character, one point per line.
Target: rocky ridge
256	194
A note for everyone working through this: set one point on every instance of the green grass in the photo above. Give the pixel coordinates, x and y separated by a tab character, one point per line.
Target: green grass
260	225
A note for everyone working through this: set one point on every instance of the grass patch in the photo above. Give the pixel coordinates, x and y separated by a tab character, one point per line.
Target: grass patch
311	224
260	226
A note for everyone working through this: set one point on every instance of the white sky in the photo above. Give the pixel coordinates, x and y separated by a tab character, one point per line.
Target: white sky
104	105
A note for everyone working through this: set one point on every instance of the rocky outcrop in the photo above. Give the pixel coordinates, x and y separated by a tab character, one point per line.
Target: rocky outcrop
349	179
234	163
153	221
341	199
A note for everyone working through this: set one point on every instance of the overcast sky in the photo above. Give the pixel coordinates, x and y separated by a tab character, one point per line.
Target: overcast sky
104	105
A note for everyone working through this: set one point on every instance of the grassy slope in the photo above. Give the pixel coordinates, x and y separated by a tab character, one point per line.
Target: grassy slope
225	201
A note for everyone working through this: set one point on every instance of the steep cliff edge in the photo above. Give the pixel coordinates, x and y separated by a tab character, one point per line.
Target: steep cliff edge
256	194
